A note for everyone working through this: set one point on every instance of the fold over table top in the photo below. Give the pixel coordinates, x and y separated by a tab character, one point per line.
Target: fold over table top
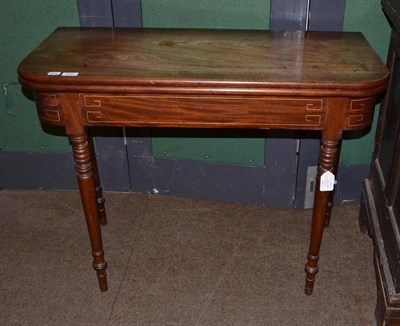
204	61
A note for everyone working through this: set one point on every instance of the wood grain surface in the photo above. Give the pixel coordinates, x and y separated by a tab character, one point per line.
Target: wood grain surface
203	58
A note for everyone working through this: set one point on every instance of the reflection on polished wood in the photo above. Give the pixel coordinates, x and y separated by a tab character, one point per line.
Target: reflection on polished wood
203	79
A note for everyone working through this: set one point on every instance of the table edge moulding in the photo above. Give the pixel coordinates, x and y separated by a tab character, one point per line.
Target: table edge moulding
84	77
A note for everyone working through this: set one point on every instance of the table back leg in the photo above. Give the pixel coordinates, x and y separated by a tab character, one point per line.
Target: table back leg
99	189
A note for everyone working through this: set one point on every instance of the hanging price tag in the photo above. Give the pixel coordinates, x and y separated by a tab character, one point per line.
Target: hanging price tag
327	181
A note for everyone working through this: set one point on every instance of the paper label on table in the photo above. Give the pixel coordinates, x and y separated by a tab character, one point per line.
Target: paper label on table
54	73
70	74
327	181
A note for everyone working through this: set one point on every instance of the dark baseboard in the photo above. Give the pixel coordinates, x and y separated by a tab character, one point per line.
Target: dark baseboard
196	179
37	170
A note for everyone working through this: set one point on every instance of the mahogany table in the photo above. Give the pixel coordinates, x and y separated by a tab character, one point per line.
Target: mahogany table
203	79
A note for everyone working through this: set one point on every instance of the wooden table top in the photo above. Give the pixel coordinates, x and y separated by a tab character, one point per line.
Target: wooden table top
203	59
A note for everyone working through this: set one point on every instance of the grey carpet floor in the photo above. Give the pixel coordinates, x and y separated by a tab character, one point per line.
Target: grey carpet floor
178	261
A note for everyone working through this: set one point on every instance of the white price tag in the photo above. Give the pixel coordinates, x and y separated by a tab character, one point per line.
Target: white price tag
327	181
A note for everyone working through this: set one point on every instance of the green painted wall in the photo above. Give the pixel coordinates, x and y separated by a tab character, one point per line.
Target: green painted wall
24	23
232	14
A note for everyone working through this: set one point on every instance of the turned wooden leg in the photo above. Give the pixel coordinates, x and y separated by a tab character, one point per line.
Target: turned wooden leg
328	157
99	189
87	187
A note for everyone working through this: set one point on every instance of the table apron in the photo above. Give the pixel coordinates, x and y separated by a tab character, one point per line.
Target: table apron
212	111
202	111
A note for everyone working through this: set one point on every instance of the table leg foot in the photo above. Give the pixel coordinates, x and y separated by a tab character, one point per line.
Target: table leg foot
101	271
309	287
311	273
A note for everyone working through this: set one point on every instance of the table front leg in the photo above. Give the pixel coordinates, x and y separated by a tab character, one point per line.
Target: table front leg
328	158
87	187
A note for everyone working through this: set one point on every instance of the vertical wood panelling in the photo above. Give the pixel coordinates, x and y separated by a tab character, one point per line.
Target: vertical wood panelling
127	13
95	13
326	15
289	15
